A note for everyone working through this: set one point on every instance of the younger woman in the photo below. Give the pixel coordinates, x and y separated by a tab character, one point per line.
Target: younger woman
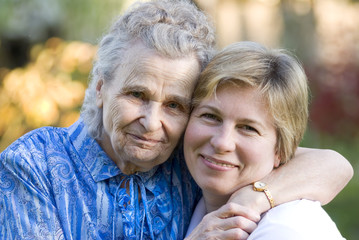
250	114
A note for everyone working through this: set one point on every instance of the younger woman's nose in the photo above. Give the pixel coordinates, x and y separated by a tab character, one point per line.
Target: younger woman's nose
222	141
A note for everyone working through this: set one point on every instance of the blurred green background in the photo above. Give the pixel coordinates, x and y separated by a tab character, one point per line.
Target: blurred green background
47	48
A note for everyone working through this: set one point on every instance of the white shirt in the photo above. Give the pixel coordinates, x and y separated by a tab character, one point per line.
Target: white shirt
296	220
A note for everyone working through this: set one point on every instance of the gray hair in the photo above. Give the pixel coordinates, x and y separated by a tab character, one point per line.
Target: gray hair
174	29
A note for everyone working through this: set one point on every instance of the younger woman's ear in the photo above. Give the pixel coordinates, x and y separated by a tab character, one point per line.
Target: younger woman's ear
276	162
99	90
276	159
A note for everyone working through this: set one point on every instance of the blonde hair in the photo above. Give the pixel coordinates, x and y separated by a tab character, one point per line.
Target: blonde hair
278	75
174	29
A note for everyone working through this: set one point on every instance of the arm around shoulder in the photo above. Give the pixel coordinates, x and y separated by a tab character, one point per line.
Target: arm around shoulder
327	170
313	174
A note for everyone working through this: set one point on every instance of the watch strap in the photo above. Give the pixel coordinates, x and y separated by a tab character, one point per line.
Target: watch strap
262	187
269	197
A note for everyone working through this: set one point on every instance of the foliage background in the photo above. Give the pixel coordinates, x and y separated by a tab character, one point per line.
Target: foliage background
47	48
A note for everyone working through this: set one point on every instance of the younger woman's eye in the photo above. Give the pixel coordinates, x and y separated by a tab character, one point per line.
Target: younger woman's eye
249	128
210	116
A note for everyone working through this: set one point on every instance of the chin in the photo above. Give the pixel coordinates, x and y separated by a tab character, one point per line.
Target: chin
212	188
146	163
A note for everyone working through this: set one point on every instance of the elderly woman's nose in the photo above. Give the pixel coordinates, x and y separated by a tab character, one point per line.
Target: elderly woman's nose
151	117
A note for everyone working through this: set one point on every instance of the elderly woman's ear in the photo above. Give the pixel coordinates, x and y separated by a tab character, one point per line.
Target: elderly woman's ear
99	100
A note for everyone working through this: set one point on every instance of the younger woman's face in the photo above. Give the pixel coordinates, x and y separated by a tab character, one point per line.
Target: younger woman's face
230	140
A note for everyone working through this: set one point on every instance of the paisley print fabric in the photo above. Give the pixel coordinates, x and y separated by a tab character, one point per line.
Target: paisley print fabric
57	183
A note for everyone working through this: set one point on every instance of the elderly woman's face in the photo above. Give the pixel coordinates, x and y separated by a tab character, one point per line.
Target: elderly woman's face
146	108
230	140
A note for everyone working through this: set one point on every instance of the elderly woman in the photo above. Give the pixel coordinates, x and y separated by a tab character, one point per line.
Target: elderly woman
112	174
250	114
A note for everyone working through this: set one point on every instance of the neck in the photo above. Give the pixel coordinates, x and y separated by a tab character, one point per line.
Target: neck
214	201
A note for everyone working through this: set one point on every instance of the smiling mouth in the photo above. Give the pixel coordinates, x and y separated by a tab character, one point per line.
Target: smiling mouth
144	140
219	163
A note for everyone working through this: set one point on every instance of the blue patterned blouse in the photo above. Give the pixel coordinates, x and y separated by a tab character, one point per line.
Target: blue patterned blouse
57	183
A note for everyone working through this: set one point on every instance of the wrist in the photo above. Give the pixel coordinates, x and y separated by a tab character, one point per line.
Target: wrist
247	197
262	187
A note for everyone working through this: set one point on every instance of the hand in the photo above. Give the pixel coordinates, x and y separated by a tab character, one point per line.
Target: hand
231	221
248	198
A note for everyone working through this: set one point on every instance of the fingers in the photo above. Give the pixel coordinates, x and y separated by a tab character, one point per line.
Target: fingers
236	217
240	222
231	221
232	209
234	233
214	228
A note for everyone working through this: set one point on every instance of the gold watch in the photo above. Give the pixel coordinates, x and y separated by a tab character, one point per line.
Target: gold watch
262	187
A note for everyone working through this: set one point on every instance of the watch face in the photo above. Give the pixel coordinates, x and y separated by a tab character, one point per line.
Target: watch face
259	185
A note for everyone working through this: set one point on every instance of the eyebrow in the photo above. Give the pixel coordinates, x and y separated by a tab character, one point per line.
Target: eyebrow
242	120
214	109
134	88
140	88
134	72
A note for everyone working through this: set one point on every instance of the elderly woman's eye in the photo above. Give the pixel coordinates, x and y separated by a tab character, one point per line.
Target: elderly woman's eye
173	105
178	107
136	94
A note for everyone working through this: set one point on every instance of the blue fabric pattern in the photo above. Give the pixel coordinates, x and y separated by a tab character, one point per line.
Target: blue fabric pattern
57	183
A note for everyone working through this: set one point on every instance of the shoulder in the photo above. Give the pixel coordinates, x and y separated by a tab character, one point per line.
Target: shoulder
198	214
36	139
301	219
175	165
185	193
27	158
32	143
180	174
33	147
